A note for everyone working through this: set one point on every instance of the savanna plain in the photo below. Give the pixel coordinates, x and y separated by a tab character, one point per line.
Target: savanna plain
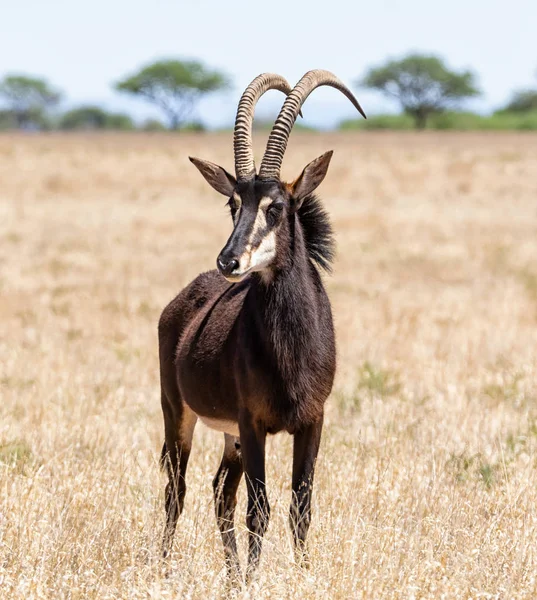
426	483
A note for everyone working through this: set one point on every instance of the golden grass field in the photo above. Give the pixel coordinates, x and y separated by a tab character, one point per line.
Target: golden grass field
426	484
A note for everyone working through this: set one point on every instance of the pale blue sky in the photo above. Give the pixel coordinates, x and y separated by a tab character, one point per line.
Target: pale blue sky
82	47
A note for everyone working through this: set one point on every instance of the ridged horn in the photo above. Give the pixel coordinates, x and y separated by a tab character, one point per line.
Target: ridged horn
279	136
242	136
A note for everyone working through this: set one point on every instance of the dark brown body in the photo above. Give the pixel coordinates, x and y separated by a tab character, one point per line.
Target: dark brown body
226	361
250	349
250	359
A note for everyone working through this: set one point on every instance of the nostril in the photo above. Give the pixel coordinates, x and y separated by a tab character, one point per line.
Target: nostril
227	266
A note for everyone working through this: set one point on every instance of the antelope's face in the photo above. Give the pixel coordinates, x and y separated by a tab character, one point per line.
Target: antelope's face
259	209
260	204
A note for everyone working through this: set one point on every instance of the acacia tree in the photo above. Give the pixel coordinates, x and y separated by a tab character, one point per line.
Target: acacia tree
27	99
94	117
422	84
174	86
522	101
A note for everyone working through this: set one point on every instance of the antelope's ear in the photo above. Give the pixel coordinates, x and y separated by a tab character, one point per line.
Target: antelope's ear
310	178
216	176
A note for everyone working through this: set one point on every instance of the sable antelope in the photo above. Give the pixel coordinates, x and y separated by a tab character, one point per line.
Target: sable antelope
249	348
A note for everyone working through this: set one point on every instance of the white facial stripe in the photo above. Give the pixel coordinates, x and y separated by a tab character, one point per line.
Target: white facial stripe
260	219
259	258
238	203
263	255
265	202
245	259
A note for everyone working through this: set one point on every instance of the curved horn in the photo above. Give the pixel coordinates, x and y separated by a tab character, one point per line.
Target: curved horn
279	136
242	137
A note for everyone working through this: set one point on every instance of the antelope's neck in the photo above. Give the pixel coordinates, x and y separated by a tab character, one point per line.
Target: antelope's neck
288	307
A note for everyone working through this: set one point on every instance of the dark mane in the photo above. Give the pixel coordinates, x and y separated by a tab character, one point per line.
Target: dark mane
318	232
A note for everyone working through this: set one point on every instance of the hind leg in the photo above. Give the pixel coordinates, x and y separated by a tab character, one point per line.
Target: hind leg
225	486
179	423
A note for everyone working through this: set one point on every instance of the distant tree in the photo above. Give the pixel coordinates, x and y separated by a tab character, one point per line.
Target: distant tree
94	117
174	86
7	120
153	125
119	122
28	99
522	101
422	84
194	127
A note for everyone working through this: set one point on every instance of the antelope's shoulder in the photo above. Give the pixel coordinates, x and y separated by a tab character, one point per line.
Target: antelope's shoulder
208	309
193	297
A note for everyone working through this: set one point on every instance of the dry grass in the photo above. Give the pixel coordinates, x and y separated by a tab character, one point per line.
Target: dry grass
427	478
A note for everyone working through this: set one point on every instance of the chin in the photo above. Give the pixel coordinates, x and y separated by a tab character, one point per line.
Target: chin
235	278
264	273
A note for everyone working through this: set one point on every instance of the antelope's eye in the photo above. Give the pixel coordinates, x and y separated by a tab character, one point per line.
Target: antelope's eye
274	211
233	207
275	208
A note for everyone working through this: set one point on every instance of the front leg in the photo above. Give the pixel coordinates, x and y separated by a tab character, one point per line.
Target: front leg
305	449
252	438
